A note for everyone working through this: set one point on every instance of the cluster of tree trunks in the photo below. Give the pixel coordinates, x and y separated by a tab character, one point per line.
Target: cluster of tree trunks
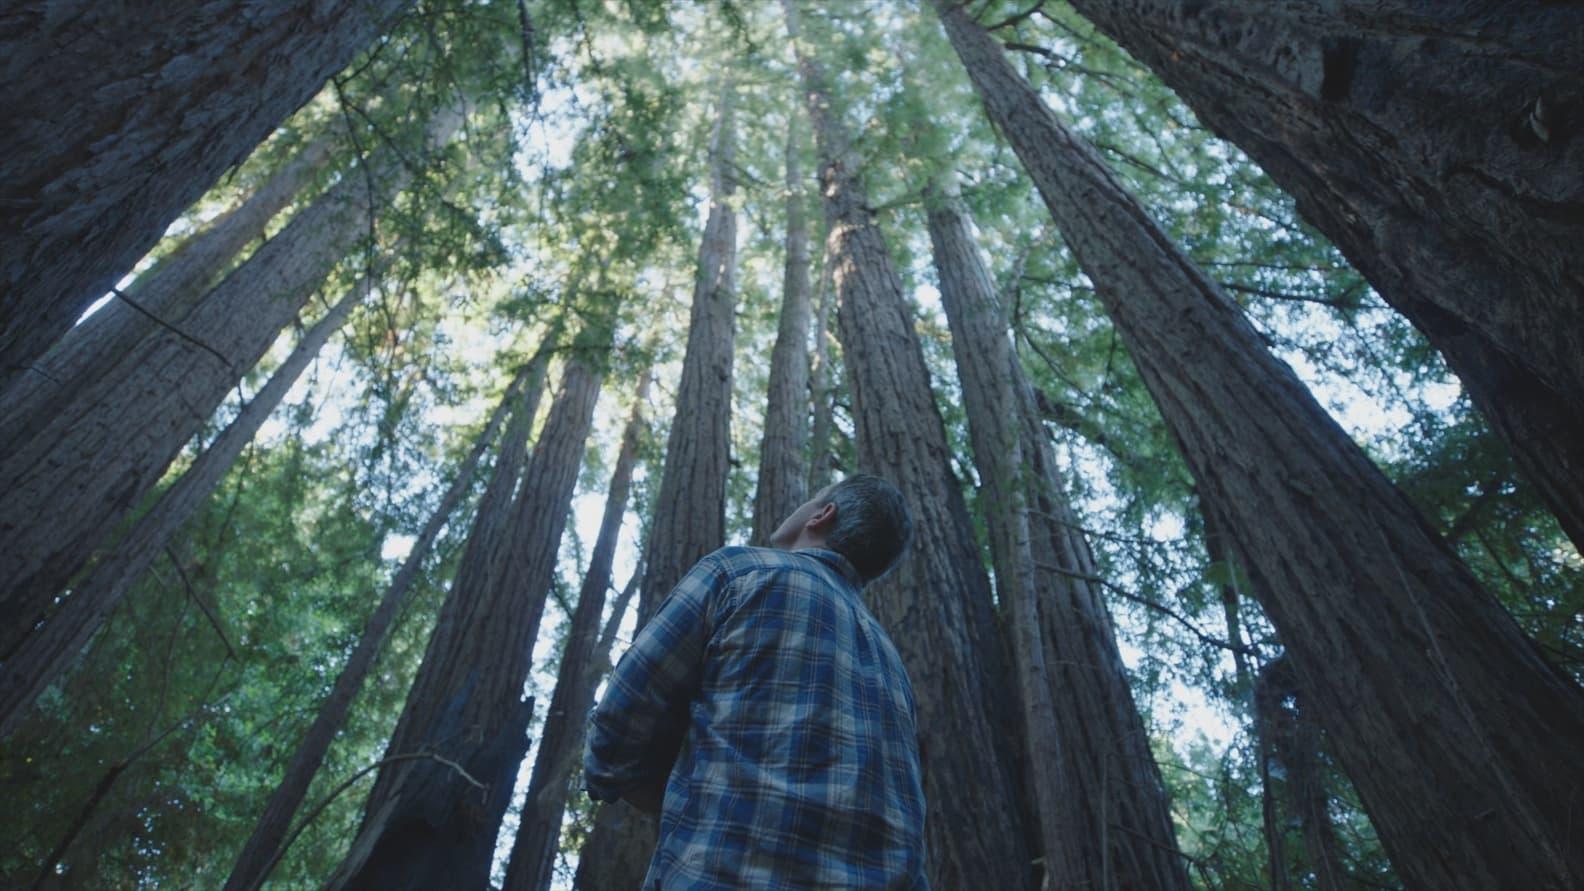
1469	224
1446	717
162	101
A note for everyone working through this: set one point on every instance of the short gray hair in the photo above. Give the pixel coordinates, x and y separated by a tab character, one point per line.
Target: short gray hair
872	524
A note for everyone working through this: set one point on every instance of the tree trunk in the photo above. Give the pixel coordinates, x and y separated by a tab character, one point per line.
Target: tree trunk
261	847
424	825
780	489
164	99
561	742
49	651
1102	808
67	487
1466	746
937	604
1469	224
690	510
168	291
1293	744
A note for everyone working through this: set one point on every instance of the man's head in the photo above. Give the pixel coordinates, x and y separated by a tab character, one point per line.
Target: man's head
863	518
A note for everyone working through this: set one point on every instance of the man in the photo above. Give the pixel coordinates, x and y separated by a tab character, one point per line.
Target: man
785	710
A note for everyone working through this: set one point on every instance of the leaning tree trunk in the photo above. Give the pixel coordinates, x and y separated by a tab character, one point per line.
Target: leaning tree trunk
264	843
1466	746
49	651
67	487
1102	808
424	825
1439	149
780	488
937	604
163	99
690	510
561	742
168	291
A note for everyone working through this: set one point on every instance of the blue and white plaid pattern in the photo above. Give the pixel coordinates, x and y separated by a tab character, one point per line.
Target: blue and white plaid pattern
798	765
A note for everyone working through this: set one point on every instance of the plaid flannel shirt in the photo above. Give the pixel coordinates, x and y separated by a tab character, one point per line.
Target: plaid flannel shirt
792	725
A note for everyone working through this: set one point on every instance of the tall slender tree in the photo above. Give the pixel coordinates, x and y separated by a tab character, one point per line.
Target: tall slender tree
163	101
1468	224
426	824
690	510
1447	718
782	459
1102	808
69	485
561	742
937	605
264	843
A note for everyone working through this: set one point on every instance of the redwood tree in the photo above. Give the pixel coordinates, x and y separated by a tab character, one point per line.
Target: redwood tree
1466	746
163	98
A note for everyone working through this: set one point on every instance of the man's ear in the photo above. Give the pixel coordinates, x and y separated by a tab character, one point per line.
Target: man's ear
823	518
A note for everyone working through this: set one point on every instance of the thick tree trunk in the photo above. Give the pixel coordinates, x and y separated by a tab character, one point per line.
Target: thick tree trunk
261	847
1468	223
424	825
780	488
50	650
168	291
937	604
1466	746
561	742
67	487
1102	808
162	100
690	511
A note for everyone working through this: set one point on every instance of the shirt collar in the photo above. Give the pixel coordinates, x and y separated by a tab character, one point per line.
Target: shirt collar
837	561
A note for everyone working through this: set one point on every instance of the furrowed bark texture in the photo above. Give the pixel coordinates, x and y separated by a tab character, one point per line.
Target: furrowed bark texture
1466	746
780	489
262	845
49	651
168	291
116	118
1439	148
424	826
937	604
561	742
68	486
690	511
1103	813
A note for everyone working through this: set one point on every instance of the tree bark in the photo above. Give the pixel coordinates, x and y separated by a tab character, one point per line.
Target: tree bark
1465	745
937	604
1467	223
163	100
68	486
264	843
561	742
690	510
168	291
50	650
780	488
1101	804
424	826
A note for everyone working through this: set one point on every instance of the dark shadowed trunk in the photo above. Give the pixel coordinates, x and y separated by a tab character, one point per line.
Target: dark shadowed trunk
424	826
1468	223
1102	807
68	486
1466	746
690	511
163	99
780	488
937	604
1292	746
50	650
561	742
262	845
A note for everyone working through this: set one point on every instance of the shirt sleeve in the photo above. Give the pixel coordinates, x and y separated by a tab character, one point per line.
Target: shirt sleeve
637	728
